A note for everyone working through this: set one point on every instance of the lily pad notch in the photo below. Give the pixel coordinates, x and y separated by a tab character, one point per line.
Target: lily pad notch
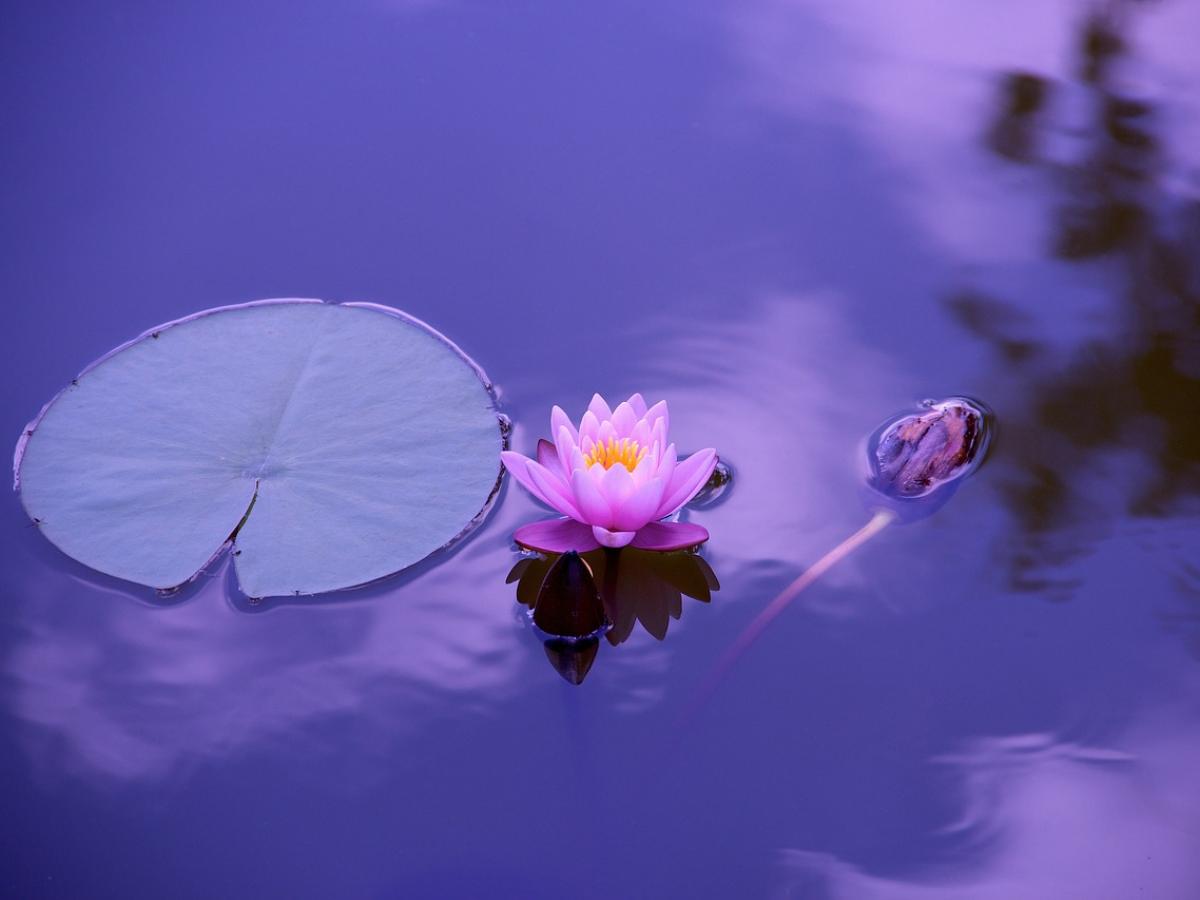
332	444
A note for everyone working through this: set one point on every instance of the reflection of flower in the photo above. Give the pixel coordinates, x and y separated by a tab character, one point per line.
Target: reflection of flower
615	477
576	598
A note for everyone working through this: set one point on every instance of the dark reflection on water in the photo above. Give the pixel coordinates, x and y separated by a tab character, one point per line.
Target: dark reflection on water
788	218
575	599
1134	388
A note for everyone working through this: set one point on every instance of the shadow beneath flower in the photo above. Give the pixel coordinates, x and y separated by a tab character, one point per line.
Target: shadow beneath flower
578	598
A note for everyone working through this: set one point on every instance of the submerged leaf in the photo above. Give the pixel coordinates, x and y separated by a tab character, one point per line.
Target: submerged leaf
915	455
334	444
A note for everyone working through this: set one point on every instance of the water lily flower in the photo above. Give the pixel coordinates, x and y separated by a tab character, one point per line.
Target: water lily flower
614	477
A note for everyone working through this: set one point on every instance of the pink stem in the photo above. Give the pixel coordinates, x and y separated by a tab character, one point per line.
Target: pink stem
754	630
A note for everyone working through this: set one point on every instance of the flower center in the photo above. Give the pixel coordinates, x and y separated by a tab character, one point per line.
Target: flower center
626	452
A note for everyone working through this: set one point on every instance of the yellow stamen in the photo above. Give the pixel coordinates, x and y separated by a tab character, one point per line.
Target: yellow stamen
625	451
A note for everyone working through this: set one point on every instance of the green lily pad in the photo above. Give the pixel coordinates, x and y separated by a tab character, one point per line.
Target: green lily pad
332	444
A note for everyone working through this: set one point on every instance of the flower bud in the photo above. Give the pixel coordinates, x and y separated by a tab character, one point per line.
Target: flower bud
569	604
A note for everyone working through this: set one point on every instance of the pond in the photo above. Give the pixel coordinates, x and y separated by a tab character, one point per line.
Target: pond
791	220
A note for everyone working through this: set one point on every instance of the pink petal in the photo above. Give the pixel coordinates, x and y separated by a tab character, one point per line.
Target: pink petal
607	432
646	469
658	413
555	489
591	502
518	467
658	434
614	539
638	402
576	462
666	468
690	475
641	434
624	419
599	408
639	507
589	427
617	486
547	454
566	451
559	419
556	536
667	536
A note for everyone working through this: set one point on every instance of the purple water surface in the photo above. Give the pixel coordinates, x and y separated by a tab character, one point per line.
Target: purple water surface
791	220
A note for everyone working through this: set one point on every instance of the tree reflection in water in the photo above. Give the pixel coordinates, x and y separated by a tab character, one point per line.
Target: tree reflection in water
578	598
1122	414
